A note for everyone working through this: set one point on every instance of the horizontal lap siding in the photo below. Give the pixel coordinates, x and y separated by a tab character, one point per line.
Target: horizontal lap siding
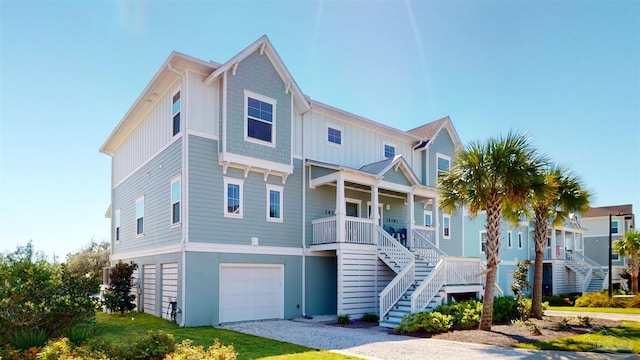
357	293
149	289
154	182
169	287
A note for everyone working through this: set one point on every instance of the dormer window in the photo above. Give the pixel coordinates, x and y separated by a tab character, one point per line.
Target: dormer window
260	115
175	110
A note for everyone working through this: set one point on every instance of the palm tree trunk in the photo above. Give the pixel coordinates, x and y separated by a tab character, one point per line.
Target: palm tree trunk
492	251
633	266
540	237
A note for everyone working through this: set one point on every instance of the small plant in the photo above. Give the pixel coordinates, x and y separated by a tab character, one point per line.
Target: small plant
521	288
431	322
187	351
518	323
81	333
344	319
28	338
584	321
563	324
534	328
154	344
370	318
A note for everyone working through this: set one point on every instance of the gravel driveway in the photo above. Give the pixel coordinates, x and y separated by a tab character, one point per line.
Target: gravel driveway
377	343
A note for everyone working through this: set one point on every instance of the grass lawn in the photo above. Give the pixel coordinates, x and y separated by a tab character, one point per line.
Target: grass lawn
116	328
624	339
596	309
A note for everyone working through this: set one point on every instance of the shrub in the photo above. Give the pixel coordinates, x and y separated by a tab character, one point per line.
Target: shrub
597	299
370	318
217	351
118	296
154	344
432	322
560	299
465	314
81	333
63	349
584	321
344	319
28	338
505	308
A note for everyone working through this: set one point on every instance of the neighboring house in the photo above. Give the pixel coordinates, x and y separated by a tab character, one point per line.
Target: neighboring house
240	198
596	237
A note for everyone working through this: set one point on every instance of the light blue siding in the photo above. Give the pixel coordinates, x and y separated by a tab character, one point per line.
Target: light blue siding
256	73
442	144
153	181
321	285
397	176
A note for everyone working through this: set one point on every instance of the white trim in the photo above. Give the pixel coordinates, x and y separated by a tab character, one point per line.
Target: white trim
520	240
228	181
380	209
444	157
280	190
242	249
224	112
179	112
139	198
175	179
509	239
444	218
152	157
480	239
395	149
162	250
273	102
247	164
326	135
424	214
354	201
202	134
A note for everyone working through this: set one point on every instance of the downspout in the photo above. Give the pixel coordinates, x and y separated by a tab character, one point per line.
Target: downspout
184	191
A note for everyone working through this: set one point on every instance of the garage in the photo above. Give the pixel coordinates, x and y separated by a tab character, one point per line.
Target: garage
251	292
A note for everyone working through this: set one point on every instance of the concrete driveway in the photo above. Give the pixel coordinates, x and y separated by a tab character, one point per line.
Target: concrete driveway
378	343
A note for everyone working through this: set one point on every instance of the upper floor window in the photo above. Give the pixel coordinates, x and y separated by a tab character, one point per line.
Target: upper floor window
334	135
427	218
274	203
509	240
117	223
443	163
520	241
614	226
483	240
389	151
260	115
233	197
446	228
175	200
175	111
140	215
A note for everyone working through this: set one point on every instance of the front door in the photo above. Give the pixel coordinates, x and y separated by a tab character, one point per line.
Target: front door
353	209
380	208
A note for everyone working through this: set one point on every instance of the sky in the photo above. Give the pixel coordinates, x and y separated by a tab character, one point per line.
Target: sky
567	73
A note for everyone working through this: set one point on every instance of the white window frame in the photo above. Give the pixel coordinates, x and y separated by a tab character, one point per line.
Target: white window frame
444	227
380	212
177	178
116	220
424	220
233	181
444	157
138	200
334	127
520	240
395	150
354	201
279	189
250	94
510	239
174	113
480	233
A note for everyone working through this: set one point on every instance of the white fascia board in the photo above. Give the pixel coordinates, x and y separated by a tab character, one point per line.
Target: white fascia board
425	191
396	187
242	249
169	249
253	164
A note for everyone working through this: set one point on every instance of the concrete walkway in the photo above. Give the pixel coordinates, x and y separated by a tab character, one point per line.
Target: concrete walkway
378	344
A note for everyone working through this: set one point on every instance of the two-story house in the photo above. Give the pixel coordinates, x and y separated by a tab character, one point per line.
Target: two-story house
240	198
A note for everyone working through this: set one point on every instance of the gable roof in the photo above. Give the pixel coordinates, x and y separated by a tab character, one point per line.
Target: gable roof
379	168
429	131
264	45
606	210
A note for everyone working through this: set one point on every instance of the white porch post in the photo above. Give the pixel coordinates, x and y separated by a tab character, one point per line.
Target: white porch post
410	218
436	221
375	213
341	211
554	249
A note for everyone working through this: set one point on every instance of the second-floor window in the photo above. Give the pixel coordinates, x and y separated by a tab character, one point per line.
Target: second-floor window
334	136
446	228
520	240
260	115
117	223
427	218
274	203
233	197
140	216
509	240
175	110
389	151
483	241
175	200
614	226
443	163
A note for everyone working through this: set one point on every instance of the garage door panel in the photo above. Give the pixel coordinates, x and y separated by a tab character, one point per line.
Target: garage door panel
251	292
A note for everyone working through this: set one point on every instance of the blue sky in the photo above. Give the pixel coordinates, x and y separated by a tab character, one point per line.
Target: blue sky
566	72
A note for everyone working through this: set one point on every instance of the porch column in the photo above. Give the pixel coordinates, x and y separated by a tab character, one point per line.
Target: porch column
435	222
553	244
375	213
341	211
411	214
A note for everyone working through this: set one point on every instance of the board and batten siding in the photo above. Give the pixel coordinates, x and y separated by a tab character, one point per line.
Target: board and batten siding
360	145
257	74
169	287
149	289
150	136
153	181
207	222
201	105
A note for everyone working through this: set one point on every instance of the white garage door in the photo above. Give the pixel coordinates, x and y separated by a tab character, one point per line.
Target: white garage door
251	292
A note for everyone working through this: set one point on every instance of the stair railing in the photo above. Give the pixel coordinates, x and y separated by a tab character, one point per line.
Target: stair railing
426	248
429	287
406	277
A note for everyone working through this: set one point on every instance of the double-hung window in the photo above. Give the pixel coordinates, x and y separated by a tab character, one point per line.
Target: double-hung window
334	135
614	226
140	216
117	224
483	241
520	240
446	228
509	240
176	200
175	111
233	197
427	218
260	115
274	203
443	163
389	151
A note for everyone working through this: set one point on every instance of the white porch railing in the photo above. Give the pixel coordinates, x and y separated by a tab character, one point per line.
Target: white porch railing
324	230
406	276
359	230
426	248
428	289
426	232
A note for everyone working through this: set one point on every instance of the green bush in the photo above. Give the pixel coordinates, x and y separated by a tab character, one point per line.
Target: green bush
596	299
465	314
153	344
63	349
118	297
344	319
217	351
431	322
370	318
560	299
81	333
28	338
505	308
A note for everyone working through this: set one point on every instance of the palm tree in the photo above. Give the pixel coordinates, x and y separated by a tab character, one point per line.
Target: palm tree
490	176
558	194
629	246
